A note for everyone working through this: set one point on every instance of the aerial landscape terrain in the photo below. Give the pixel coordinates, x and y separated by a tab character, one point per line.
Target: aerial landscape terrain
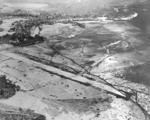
74	60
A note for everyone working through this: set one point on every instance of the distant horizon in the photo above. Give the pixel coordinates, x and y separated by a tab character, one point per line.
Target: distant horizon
28	5
74	7
36	1
62	1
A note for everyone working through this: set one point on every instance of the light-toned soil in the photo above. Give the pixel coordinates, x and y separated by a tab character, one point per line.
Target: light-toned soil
59	97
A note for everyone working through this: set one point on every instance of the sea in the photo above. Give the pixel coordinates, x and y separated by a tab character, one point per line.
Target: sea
142	21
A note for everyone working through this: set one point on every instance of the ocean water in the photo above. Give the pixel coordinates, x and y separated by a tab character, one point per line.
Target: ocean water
142	21
137	14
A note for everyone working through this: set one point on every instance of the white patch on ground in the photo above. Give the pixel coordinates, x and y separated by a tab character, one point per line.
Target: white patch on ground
6	25
122	110
25	101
